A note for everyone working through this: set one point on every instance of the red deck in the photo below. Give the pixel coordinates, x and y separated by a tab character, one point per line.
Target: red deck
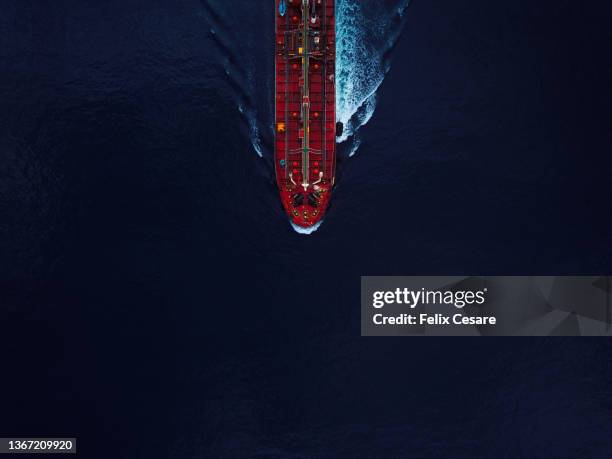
305	143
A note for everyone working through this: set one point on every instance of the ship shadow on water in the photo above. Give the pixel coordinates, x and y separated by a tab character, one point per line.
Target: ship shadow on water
367	33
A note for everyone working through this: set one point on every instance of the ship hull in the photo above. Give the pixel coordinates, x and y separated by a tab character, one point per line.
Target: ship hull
305	107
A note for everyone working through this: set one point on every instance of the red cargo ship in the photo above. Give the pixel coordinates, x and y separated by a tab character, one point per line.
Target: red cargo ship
305	144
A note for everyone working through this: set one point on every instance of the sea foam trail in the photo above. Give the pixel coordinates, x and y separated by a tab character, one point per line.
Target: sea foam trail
366	33
244	50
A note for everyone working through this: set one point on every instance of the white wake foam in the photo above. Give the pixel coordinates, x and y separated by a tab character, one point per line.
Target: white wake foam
309	230
365	34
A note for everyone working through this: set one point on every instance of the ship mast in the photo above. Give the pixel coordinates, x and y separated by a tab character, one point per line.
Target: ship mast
305	97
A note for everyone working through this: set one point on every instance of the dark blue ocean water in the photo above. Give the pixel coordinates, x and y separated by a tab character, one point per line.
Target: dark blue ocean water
154	300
